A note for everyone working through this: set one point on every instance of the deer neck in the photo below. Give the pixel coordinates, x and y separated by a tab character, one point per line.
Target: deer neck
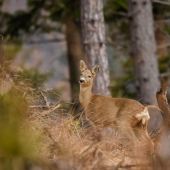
85	94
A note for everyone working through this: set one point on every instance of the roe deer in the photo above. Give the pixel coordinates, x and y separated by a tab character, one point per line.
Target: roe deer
102	111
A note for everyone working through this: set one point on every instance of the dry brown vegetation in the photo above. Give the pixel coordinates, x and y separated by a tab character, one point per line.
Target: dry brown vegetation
35	134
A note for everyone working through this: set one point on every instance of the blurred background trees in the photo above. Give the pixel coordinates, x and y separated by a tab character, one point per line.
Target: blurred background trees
52	36
45	40
93	40
143	52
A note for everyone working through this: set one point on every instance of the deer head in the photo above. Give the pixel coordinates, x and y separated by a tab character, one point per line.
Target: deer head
87	76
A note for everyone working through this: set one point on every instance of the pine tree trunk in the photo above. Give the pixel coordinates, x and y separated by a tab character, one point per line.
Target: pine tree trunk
75	54
143	51
93	37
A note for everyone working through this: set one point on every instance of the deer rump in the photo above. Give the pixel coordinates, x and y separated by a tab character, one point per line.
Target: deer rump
104	112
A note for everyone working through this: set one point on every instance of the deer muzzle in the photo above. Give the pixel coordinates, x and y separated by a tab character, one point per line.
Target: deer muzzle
82	80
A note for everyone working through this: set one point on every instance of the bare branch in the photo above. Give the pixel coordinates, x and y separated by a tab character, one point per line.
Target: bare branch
123	14
161	2
45	41
38	106
163	46
45	99
165	75
46	112
164	32
162	21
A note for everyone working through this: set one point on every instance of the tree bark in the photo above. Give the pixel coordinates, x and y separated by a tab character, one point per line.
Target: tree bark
93	37
143	52
75	54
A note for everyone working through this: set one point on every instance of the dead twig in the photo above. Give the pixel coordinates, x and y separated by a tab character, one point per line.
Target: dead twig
45	113
162	21
45	41
45	99
39	106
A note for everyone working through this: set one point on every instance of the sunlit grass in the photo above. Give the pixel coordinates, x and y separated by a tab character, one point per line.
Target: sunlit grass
35	134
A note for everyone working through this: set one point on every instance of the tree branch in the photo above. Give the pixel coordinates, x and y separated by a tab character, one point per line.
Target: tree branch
123	14
163	46
160	2
45	41
44	113
45	99
164	32
165	75
162	21
39	106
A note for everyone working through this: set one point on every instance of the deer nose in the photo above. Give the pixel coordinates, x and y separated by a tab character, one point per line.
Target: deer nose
81	81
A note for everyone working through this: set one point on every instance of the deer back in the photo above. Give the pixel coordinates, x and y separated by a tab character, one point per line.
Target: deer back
106	110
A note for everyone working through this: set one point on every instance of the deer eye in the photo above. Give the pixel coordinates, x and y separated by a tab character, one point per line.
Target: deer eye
81	74
89	76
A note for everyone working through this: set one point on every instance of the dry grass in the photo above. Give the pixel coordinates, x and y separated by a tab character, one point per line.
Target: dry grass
65	140
67	143
58	140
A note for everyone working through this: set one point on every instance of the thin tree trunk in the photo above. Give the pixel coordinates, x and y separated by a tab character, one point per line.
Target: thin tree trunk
162	52
93	37
75	54
143	51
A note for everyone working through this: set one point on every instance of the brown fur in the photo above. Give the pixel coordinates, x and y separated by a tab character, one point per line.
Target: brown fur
104	111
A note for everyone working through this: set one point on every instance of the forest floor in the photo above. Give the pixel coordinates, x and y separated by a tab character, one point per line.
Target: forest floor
70	145
39	135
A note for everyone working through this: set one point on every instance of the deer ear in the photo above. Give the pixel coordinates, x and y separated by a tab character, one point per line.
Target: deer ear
95	69
82	65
